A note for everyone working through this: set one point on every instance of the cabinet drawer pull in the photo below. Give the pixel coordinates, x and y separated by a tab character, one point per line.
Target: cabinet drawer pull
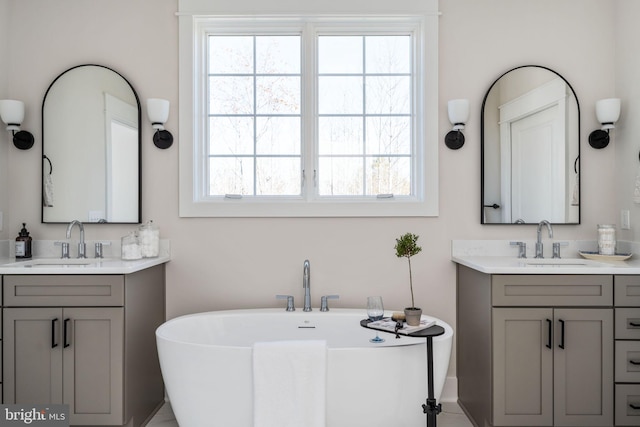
634	362
54	344
636	407
66	343
561	345
550	332
634	324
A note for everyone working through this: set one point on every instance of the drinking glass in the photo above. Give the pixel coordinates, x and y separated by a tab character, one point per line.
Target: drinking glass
375	310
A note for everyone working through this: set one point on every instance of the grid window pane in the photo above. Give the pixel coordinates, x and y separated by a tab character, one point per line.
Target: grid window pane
230	54
340	95
388	175
365	120
389	135
278	55
340	54
230	95
230	176
388	54
278	95
340	135
278	176
388	95
278	135
255	115
230	135
341	176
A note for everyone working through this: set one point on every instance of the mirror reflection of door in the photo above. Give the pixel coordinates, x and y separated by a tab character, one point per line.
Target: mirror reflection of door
121	146
533	155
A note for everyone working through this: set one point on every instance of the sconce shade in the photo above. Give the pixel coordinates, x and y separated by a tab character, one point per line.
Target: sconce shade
458	110
12	113
608	112
158	111
458	113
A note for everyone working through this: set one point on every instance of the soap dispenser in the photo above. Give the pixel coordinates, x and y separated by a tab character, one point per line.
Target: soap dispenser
23	243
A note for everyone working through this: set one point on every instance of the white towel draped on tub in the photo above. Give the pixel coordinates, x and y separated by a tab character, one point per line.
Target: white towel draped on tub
289	383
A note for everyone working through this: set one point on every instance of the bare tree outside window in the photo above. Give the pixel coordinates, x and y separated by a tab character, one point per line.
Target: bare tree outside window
364	115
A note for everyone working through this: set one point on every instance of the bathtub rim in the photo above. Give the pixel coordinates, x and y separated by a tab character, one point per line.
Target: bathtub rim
161	334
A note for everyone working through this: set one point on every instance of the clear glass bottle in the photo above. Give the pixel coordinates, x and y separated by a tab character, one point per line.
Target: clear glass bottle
131	247
606	239
149	240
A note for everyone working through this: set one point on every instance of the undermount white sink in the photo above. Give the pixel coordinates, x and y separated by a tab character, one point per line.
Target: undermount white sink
561	262
55	262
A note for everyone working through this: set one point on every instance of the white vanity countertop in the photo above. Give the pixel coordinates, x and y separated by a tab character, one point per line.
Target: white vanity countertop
513	265
76	266
498	257
46	259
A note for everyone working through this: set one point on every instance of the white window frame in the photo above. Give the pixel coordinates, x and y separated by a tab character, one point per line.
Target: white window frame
195	25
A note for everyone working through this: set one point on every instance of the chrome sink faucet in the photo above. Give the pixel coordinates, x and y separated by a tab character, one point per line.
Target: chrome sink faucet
539	246
82	247
306	284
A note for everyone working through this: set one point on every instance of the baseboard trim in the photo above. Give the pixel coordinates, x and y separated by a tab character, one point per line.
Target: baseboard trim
450	390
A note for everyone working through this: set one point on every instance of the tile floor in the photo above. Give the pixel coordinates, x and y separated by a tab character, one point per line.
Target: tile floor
451	416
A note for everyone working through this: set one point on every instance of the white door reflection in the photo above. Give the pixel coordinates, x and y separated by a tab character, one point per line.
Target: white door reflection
122	159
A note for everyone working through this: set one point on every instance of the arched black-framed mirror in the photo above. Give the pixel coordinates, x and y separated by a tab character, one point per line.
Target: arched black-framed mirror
530	149
91	148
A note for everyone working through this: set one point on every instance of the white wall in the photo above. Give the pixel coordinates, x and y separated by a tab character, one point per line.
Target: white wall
236	263
4	135
626	135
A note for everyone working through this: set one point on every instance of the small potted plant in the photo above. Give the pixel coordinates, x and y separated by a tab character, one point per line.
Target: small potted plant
407	246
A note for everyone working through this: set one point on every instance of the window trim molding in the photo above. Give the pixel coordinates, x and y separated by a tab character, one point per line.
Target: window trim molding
422	205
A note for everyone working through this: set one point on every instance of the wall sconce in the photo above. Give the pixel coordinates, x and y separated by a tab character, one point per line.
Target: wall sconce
12	113
458	115
158	111
608	112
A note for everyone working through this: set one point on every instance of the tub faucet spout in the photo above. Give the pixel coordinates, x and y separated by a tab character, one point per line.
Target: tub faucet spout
306	284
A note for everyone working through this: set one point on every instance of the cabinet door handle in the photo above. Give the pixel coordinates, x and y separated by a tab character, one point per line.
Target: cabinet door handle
54	344
561	345
66	323
634	324
636	407
634	362
550	332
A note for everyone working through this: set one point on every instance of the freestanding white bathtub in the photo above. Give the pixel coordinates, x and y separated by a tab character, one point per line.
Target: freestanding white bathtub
206	362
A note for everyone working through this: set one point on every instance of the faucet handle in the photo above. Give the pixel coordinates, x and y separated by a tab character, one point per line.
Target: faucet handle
98	248
289	298
65	249
522	248
323	301
556	248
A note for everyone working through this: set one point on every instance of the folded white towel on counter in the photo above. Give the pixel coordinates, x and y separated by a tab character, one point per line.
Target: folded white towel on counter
289	383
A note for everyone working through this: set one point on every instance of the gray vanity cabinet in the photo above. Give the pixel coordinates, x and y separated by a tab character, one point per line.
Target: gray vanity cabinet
67	355
535	350
87	341
541	379
627	373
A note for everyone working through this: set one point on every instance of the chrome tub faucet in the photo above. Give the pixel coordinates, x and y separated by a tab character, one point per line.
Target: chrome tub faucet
306	284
